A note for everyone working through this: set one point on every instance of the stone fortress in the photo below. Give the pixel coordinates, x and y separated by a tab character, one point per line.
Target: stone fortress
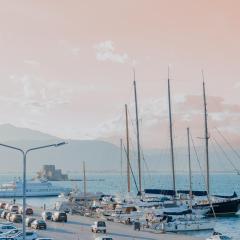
50	173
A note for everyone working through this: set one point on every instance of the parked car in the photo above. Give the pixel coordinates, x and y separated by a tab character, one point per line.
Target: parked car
59	217
39	224
7	206
28	210
8	216
104	238
14	208
16	218
29	221
46	215
99	226
2	205
4	214
6	227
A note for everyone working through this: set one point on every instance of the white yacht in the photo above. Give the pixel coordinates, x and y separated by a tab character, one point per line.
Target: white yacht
183	224
188	225
38	188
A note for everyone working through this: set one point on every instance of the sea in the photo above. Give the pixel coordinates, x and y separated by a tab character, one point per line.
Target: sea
115	183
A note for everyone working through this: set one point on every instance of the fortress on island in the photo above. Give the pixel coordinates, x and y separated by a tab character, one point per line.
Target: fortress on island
50	173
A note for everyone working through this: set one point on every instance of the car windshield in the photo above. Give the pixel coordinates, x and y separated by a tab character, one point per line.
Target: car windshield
41	221
101	224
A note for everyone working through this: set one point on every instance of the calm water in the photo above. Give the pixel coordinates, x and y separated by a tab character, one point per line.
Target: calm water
113	183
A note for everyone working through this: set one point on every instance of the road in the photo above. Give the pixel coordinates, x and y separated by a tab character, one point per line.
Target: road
78	228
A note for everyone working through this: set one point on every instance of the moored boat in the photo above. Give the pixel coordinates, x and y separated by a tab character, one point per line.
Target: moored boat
41	188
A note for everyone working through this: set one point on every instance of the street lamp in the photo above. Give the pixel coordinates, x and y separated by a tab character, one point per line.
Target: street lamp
24	153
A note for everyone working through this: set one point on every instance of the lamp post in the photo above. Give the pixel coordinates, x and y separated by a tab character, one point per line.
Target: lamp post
24	153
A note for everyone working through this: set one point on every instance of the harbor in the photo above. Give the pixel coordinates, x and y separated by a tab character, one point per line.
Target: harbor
221	223
119	120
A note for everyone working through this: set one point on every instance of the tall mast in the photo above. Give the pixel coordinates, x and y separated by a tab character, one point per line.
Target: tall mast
190	168
84	183
171	134
128	157
121	156
206	135
138	141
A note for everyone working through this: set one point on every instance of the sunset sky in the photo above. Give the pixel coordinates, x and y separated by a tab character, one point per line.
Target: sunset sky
66	66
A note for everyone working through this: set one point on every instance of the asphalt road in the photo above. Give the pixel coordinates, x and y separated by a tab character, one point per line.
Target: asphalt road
78	228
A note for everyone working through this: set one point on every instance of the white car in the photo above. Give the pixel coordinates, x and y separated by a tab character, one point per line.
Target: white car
104	238
218	236
6	227
99	226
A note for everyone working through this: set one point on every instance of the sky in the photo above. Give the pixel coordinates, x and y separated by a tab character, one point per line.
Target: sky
67	67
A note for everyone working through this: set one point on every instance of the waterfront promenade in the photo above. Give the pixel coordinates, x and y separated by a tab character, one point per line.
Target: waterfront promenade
78	228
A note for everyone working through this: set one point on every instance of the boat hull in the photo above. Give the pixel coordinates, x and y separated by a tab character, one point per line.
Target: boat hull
222	208
188	226
19	195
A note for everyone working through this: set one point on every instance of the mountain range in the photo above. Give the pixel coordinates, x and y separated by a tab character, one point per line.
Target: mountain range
100	156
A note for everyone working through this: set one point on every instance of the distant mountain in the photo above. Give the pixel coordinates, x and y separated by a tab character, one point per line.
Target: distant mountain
99	155
9	132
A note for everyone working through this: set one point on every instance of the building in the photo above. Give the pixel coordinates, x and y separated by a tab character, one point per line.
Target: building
50	173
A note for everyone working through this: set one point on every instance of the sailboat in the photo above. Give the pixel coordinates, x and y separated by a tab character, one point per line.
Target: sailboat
174	192
190	222
221	205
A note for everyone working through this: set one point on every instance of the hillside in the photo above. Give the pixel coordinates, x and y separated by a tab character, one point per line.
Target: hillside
99	155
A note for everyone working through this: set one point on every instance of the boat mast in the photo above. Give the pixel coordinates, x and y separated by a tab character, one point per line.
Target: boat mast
138	140
206	135
190	168
84	181
171	134
121	156
128	157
